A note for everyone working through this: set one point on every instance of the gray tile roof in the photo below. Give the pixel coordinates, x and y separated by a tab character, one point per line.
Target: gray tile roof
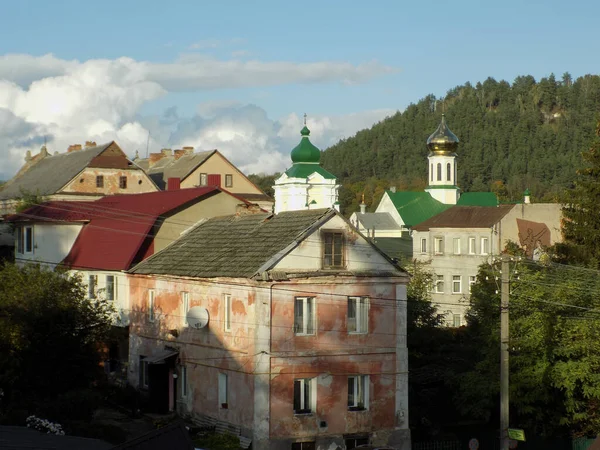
232	246
466	217
398	248
51	173
169	167
379	221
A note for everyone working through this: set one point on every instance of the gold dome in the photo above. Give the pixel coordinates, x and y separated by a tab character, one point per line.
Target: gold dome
442	141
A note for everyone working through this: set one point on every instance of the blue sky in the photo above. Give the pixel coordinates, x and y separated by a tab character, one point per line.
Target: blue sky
395	52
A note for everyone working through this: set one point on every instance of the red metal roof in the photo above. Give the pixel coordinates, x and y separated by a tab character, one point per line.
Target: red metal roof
119	233
54	211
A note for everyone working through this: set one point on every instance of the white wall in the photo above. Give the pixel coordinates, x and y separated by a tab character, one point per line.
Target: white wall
386	205
296	194
51	243
121	295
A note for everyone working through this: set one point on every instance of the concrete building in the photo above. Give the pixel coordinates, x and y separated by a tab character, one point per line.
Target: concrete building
288	330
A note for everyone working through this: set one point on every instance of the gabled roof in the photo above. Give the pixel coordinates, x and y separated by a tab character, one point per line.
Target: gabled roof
416	207
478	199
379	221
172	167
466	217
54	211
233	246
51	173
304	170
120	226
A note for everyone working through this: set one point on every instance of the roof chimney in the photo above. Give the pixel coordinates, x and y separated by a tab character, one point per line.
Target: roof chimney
393	189
28	156
188	150
154	158
178	154
89	144
75	147
166	152
43	151
173	184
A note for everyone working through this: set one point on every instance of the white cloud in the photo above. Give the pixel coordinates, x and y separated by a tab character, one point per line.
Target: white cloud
70	102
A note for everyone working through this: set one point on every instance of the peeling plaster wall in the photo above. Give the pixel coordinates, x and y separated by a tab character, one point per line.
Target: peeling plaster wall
85	182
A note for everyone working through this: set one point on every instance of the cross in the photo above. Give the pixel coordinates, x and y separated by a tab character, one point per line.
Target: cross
304	119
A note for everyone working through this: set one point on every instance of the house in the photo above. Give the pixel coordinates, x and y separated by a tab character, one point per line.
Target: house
457	241
286	329
187	169
79	174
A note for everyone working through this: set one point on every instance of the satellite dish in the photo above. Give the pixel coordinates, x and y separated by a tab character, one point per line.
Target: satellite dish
197	317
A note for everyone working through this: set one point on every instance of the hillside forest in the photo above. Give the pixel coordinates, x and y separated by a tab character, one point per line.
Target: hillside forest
528	134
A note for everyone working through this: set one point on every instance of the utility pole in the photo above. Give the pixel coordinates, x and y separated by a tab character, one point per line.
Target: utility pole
504	337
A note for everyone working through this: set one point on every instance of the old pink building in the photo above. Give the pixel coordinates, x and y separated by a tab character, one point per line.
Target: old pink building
287	329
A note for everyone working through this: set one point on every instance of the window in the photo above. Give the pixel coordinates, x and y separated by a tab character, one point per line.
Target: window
472	246
358	392
228	180
25	240
439	172
431	171
439	246
358	314
185	306
110	287
456	245
485	246
304	316
99	181
304	446
353	442
151	305
184	383
123	182
203	179
448	172
456	320
227	312
333	249
143	372
223	397
92	283
304	395
456	284
439	284
472	281
423	245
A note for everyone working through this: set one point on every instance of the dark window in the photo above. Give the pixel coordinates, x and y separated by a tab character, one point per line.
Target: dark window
99	181
303	446
333	250
228	180
355	442
110	287
20	240
304	315
439	172
123	182
92	282
28	239
302	396
143	372
431	172
448	172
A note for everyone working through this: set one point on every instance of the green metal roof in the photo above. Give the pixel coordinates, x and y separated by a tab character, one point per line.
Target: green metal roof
416	207
305	151
478	199
304	170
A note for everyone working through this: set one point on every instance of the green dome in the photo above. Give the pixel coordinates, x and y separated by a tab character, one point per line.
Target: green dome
305	151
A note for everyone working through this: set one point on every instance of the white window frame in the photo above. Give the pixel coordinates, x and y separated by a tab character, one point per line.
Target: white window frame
110	294
92	286
223	393
308	401
228	180
203	179
472	281
361	387
423	245
438	248
456	245
227	312
485	246
361	313
185	307
439	284
307	306
456	320
151	304
27	244
184	381
457	279
472	246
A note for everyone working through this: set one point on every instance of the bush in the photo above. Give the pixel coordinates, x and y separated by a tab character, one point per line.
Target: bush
217	441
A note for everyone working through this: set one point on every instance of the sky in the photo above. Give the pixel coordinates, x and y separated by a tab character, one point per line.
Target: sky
238	76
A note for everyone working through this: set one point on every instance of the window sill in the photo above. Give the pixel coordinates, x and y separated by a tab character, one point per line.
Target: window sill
358	333
304	413
357	408
304	335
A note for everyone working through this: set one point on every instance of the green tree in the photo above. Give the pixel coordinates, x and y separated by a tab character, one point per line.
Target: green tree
50	336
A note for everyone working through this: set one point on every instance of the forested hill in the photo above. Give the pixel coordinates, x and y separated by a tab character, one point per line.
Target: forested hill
515	136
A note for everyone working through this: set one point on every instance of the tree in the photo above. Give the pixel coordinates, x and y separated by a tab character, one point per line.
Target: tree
581	226
50	336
